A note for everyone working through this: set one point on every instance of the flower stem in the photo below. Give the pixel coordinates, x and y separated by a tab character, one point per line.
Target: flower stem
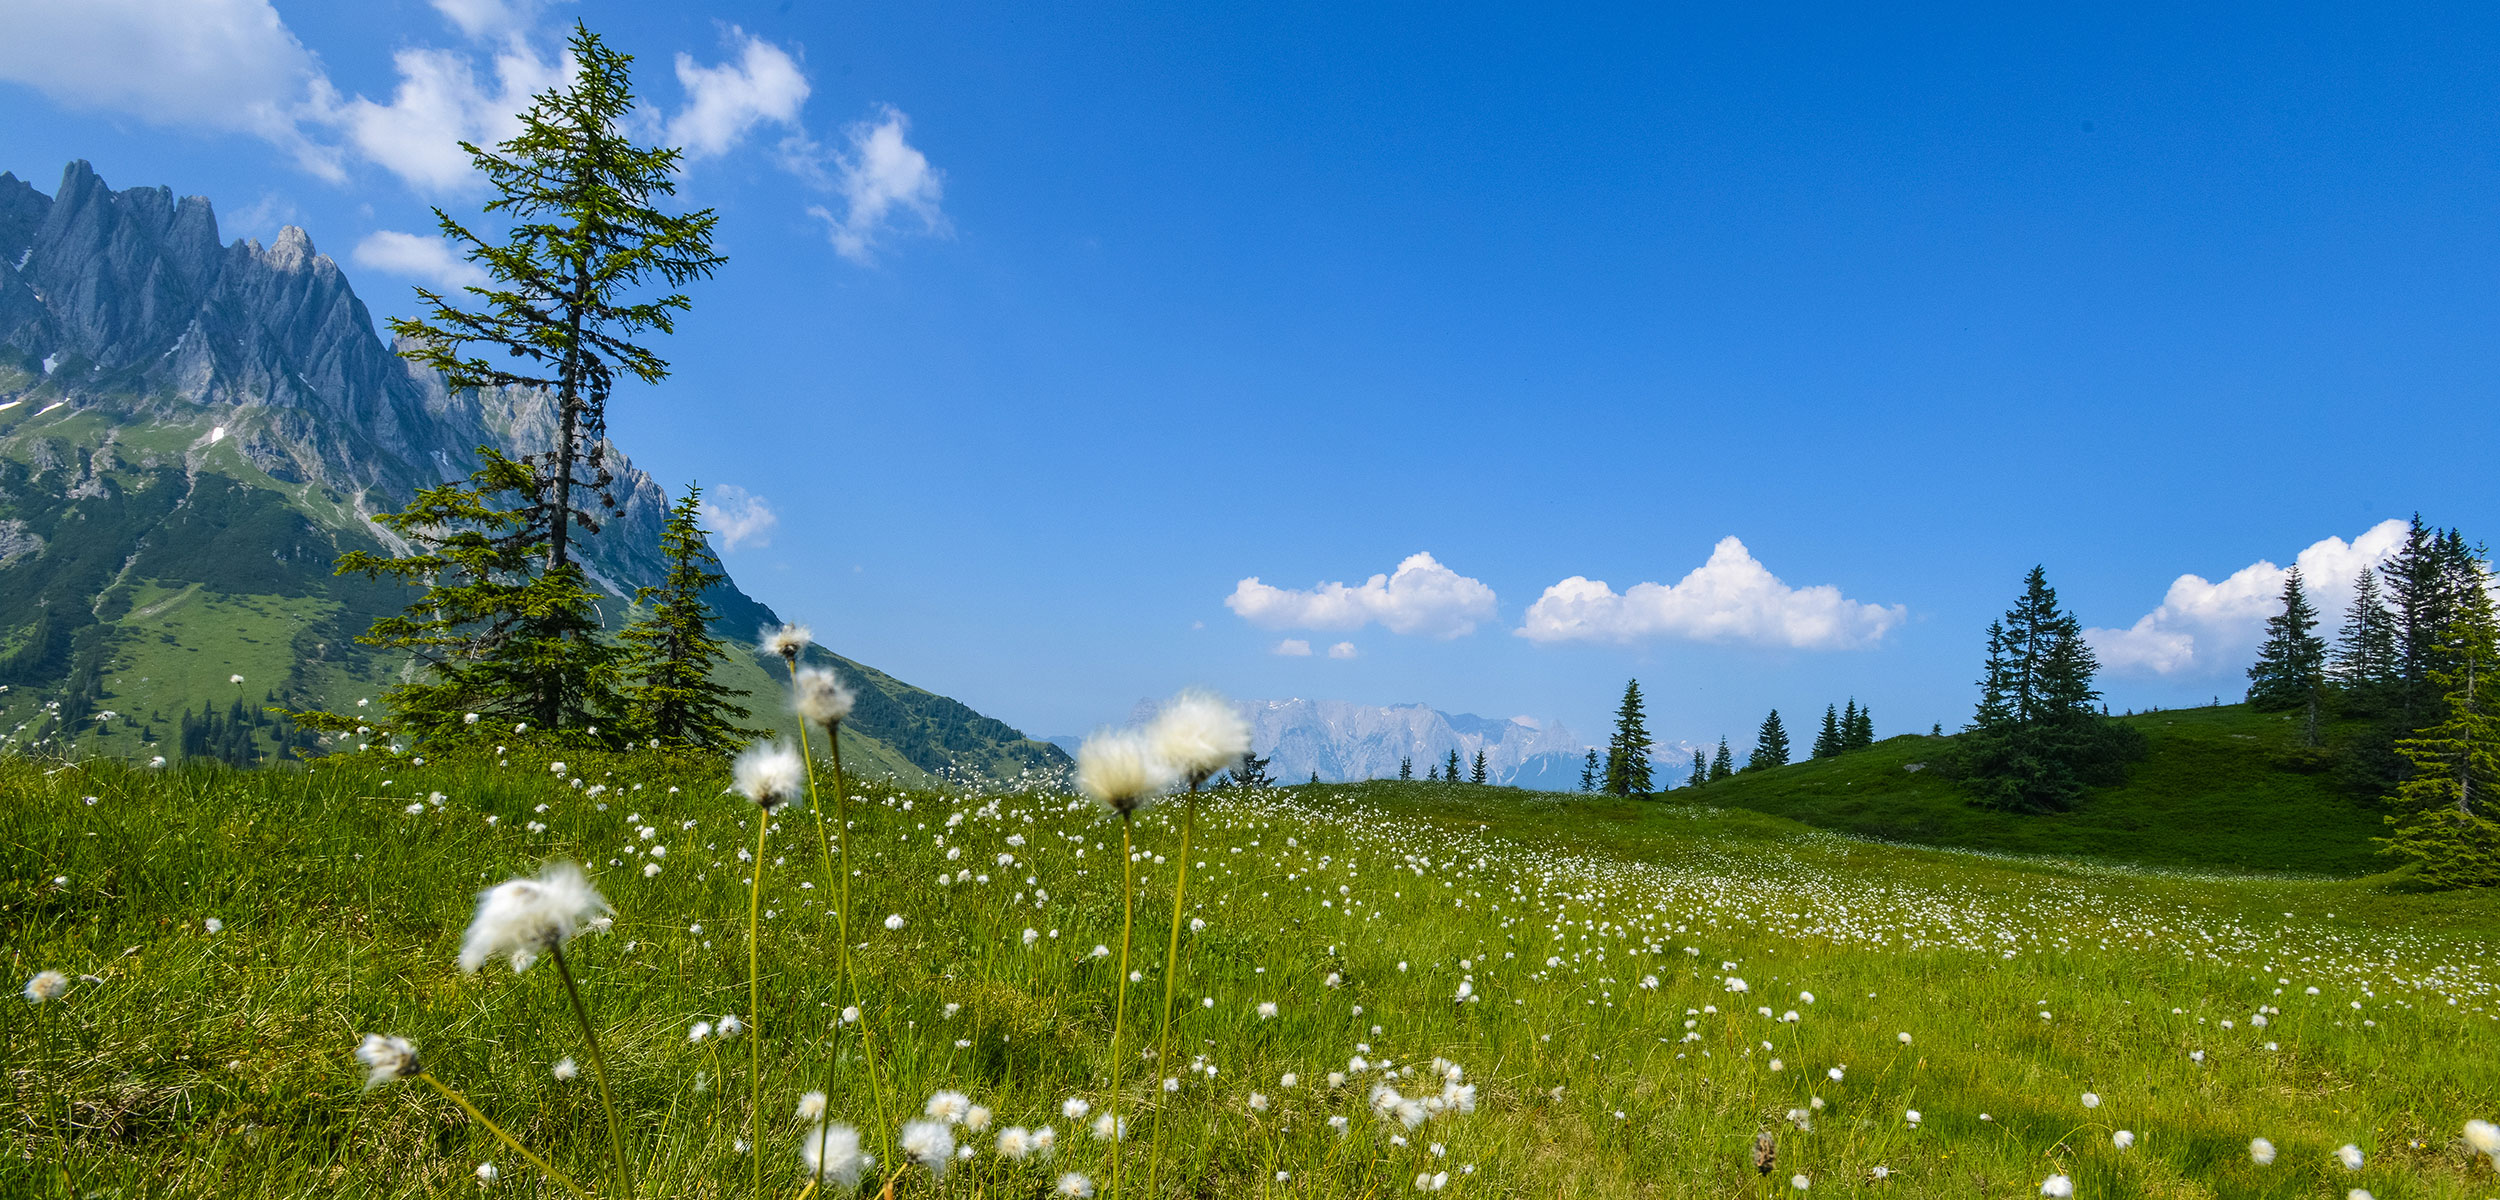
599	1065
1119	1005
755	1003
566	1181
1171	980
838	882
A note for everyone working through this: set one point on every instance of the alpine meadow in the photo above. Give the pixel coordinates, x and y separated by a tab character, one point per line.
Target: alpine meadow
405	793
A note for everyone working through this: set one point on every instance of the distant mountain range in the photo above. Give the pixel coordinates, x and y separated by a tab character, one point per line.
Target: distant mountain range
192	431
1342	741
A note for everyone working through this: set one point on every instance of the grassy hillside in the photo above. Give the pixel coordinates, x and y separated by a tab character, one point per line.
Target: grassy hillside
1601	947
2220	790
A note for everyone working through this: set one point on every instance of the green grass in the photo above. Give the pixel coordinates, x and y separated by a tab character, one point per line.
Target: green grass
2217	792
203	1063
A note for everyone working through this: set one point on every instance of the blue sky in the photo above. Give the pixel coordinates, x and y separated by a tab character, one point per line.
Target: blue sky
1105	310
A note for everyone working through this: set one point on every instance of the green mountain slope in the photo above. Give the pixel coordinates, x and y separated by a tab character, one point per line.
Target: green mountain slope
2222	788
191	433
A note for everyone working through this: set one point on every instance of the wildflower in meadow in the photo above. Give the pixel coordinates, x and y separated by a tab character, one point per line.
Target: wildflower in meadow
387	1058
1044	1140
213	925
2091	1100
1075	1187
520	919
46	985
949	1107
1108	1128
832	1155
1119	770
2349	1155
1735	984
811	1106
2484	1137
1074	1108
787	641
488	1173
820	697
2123	1139
699	1031
929	1145
2057	1187
2261	1152
1014	1142
768	773
894	922
564	1070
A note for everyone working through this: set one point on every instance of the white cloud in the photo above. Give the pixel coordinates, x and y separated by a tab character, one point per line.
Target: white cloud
1293	648
1422	596
2205	627
228	65
487	18
1729	598
441	102
735	516
724	102
881	180
428	260
1341	650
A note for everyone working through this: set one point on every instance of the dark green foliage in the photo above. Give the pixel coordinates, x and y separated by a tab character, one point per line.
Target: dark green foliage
491	636
2291	662
2364	670
583	237
1770	746
2444	809
1857	727
1475	770
1722	764
670	654
1701	771
1449	770
1827	742
1432	774
1251	772
1590	769
2038	738
236	736
1627	754
1406	767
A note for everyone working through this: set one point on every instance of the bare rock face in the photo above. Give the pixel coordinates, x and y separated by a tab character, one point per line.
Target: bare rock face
127	302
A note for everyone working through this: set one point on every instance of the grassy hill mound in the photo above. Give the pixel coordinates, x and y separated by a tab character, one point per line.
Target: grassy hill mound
2223	788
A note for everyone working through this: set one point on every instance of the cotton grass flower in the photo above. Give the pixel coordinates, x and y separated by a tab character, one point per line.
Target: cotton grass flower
929	1145
2124	1139
1014	1142
2261	1152
1119	770
488	1173
947	1106
2349	1155
2057	1187
1075	1187
564	1070
521	919
811	1106
46	985
2091	1100
1199	733
768	773
787	641
2484	1137
387	1058
1108	1128
820	697
832	1155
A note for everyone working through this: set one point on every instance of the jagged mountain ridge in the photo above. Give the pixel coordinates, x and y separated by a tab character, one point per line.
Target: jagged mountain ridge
191	431
1342	741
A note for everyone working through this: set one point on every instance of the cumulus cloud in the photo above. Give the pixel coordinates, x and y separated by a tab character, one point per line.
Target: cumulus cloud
489	18
442	101
2204	626
1341	650
1293	648
226	65
724	102
882	179
736	516
428	260
1421	596
1729	598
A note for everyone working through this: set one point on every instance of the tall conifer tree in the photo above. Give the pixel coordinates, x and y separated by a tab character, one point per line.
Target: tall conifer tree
1449	770
1722	764
1627	755
2038	737
1701	771
2364	669
1861	728
1827	742
670	653
2444	810
1770	745
1475	770
2291	662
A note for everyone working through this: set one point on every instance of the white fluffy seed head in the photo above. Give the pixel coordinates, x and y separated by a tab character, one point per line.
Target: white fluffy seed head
387	1058
1199	733
2261	1152
1119	770
2483	1136
786	640
929	1144
520	919
1014	1142
947	1106
564	1070
768	773
820	697
2057	1187
832	1155
811	1106
46	985
1075	1187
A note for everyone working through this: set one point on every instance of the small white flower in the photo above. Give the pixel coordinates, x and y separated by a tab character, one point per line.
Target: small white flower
2261	1152
386	1059
520	919
2058	1187
213	925
1110	1129
832	1155
2349	1155
1074	1108
1915	1118
1014	1142
699	1031
1199	733
768	773
1075	1187
894	922
929	1144
2483	1136
1800	1182
1734	984
487	1173
729	1027
2123	1139
1267	1010
947	1106
2091	1100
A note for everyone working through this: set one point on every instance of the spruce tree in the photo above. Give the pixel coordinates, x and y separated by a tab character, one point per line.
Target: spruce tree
1770	746
1432	774
1627	755
2444	810
1827	742
1860	731
2291	662
1589	771
1449	770
2038	737
1723	764
1475	770
669	651
2421	601
1849	726
1406	767
2364	670
1701	771
1251	771
492	638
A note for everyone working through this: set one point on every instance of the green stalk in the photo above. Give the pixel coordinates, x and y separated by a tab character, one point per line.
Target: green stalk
566	1181
1119	1006
598	1065
755	1003
838	882
1171	981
